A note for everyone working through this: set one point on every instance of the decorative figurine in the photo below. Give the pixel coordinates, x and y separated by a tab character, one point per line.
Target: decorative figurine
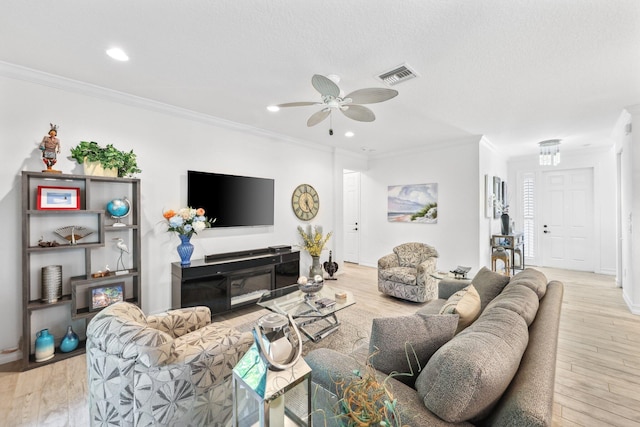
330	267
123	248
50	147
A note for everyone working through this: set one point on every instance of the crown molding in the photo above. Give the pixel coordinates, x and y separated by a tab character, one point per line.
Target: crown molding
430	147
30	75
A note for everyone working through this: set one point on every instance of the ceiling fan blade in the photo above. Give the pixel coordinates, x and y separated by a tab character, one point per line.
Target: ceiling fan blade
318	117
325	86
359	113
371	95
298	104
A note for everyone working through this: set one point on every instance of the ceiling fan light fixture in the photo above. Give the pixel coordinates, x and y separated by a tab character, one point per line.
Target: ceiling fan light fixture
349	134
273	108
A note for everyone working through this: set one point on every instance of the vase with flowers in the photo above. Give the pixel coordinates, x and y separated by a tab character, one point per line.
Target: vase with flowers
186	222
314	242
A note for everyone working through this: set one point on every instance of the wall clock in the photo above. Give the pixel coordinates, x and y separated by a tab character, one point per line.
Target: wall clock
305	202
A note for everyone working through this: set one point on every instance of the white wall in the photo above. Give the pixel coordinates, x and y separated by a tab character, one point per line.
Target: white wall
454	167
491	163
627	144
167	144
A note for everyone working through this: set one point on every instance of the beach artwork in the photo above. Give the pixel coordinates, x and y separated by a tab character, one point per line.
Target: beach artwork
417	203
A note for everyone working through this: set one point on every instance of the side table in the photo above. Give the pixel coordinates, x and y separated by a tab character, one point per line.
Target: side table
513	243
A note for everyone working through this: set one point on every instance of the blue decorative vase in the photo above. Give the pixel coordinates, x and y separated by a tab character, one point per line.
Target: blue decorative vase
45	348
185	249
70	341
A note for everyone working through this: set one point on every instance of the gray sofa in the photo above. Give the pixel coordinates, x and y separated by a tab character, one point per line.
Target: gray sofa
499	371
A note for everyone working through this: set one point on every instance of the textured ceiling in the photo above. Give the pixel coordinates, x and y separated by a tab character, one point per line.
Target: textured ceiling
515	71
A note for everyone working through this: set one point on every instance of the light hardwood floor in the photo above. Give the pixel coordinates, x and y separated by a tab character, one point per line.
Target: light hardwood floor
597	375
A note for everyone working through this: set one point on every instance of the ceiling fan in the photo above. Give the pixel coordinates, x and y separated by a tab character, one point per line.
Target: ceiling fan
349	105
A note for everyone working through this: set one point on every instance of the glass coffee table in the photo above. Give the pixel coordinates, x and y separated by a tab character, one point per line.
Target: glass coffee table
307	311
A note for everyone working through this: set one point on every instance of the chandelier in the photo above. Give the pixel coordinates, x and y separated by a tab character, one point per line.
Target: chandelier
549	152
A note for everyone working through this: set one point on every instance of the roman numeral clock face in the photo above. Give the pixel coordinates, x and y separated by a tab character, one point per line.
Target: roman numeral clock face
305	202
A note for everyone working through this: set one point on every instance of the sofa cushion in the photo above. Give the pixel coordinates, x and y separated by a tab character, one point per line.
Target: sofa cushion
405	275
533	279
466	304
404	344
488	284
465	378
519	299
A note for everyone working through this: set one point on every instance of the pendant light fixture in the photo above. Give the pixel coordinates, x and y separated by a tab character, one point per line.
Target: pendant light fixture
549	152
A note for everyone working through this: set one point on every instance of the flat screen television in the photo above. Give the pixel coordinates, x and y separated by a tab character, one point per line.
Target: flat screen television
236	201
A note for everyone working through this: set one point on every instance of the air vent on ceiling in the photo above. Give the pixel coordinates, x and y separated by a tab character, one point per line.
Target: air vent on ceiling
397	75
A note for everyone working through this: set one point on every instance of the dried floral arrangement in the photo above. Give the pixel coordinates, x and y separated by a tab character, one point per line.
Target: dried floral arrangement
366	401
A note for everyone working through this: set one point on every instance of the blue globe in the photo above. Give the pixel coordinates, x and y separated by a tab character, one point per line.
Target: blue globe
119	208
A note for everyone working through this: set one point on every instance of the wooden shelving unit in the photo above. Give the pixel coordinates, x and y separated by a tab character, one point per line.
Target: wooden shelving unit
79	261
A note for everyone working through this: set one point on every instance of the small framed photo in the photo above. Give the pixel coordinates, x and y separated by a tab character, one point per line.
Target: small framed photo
104	295
58	198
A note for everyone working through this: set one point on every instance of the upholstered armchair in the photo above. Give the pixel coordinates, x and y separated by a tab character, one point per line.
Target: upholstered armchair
406	273
161	370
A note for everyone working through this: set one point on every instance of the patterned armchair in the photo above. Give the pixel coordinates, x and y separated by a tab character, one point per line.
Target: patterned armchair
406	273
161	370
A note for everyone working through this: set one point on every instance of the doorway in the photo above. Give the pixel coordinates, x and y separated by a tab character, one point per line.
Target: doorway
351	203
567	219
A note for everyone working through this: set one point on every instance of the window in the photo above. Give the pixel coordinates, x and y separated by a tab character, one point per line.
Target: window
529	209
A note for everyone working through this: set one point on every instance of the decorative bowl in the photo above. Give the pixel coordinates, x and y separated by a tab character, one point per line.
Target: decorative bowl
311	288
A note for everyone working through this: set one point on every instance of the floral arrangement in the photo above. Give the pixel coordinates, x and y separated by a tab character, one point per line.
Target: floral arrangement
187	221
313	240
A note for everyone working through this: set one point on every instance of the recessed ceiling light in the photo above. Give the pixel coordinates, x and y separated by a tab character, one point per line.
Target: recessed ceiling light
117	54
349	134
273	108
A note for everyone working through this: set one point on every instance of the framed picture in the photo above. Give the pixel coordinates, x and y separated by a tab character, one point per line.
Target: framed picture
415	203
104	295
58	198
497	196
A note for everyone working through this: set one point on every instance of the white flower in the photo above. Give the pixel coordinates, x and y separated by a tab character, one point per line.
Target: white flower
198	226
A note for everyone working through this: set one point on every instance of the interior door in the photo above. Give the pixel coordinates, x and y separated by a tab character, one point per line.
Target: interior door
567	219
351	202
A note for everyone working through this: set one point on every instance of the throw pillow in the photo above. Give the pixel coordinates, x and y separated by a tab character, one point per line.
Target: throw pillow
395	339
466	304
488	284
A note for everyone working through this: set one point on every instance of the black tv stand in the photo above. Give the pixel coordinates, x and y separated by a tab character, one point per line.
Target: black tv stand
227	281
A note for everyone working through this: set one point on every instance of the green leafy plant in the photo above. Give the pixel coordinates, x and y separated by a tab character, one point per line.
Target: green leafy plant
109	157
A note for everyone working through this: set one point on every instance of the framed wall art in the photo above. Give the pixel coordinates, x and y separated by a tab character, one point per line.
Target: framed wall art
497	197
416	203
104	295
58	198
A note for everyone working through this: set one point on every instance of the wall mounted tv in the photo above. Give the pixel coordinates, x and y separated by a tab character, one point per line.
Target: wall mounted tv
236	201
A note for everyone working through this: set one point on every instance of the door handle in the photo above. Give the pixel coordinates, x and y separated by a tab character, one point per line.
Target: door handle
546	231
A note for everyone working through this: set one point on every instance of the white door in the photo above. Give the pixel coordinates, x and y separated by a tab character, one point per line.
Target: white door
351	191
567	219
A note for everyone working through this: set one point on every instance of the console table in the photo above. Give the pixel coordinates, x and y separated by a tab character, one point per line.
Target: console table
225	282
513	243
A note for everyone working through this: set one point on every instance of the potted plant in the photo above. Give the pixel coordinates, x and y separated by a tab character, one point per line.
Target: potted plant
106	161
